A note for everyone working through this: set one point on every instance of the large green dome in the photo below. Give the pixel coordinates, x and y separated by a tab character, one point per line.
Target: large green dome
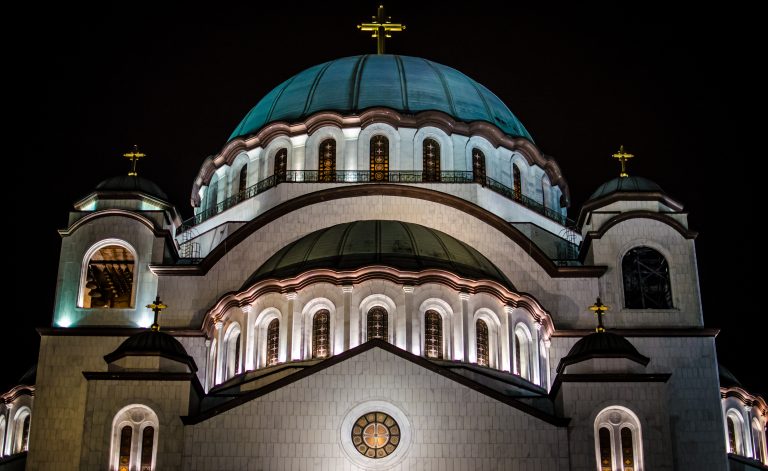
407	84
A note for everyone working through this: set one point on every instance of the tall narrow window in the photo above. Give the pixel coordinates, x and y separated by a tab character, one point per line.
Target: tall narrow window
134	439
236	359
321	329
646	280
213	196
379	159
326	171
147	445
232	341
546	190
618	440
478	166
757	441
523	352
377	323
517	182
731	435
243	181
281	165
627	450
606	460
125	448
273	342
483	350
109	278
25	433
433	334
431	165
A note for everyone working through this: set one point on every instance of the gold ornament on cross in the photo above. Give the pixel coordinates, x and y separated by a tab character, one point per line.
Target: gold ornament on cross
599	308
134	156
381	27
156	307
623	157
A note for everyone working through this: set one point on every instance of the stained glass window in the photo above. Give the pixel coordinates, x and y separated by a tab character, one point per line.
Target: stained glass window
731	435
327	161
481	329
606	459
147	443
243	180
627	450
379	159
125	448
433	334
431	166
377	323
376	435
321	330
273	342
646	280
517	183
109	278
281	164
478	166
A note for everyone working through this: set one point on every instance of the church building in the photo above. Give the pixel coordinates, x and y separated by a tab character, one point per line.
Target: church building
380	274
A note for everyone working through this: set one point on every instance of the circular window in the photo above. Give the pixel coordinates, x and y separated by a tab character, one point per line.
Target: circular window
376	435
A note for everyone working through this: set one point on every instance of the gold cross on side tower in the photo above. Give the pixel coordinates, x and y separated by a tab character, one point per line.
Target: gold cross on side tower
599	308
156	307
623	157
381	27
134	156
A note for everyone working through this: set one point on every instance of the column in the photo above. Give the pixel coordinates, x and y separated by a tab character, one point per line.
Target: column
208	379
246	349
504	339
748	442
464	327
291	347
344	332
412	334
219	349
537	355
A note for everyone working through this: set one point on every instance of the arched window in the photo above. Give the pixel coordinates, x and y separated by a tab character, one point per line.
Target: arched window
2	436
433	334
326	169
281	165
109	280
517	183
483	349
243	181
379	159
478	166
431	163
377	323
134	439
321	330
20	439
646	280
758	439
546	190
273	342
212	197
618	441
734	435
523	353
233	349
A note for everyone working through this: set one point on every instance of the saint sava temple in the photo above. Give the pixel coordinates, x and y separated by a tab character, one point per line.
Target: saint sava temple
380	274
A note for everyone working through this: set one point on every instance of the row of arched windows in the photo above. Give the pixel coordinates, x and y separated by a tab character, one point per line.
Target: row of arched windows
378	165
134	439
14	436
377	326
738	441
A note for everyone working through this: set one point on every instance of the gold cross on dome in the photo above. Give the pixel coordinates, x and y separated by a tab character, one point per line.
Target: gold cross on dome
623	157
156	307
599	308
134	156
381	27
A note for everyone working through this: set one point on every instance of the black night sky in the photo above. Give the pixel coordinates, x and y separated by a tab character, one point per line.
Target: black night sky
677	88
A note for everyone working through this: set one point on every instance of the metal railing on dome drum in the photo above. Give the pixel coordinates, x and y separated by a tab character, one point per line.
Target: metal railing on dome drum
364	176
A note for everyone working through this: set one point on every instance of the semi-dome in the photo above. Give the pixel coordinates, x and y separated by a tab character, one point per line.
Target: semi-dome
395	244
403	83
631	184
601	345
149	342
133	184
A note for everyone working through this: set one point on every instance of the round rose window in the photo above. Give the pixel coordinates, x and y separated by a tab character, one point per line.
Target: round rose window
376	435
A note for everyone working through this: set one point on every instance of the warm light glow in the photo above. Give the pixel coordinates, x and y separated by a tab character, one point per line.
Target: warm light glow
145	321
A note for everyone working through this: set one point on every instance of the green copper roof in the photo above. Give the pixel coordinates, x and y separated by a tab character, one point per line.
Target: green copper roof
396	244
626	184
407	84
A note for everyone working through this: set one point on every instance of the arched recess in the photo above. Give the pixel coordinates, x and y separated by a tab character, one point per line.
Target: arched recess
524	353
446	148
212	364
312	147
261	330
618	440
233	351
646	276
491	164
446	316
3	430
494	332
281	144
396	161
109	269
134	439
238	178
307	322
735	432
758	441
19	436
383	301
